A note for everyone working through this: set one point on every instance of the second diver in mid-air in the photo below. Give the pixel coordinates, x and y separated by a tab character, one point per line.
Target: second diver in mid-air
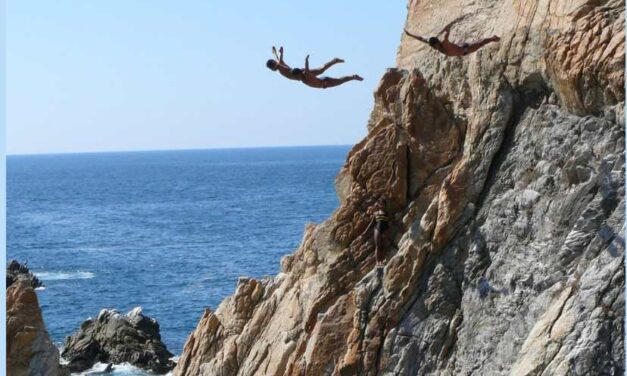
449	48
309	77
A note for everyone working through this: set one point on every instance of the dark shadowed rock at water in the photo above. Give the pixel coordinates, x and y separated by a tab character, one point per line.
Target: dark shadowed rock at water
115	338
16	271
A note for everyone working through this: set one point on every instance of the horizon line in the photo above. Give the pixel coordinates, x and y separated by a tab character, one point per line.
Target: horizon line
165	150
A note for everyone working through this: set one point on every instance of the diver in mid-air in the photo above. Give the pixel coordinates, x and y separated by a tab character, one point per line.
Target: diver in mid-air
449	48
309	77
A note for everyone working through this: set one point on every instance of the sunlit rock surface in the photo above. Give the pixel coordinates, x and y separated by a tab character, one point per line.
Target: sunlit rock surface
504	175
29	348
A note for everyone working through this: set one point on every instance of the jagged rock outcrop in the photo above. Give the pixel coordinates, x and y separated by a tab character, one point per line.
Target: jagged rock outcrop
505	173
29	348
115	338
16	271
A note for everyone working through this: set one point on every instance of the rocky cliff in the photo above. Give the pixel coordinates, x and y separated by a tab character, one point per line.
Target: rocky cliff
29	348
504	172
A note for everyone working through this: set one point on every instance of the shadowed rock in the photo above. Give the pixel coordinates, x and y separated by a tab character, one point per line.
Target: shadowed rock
116	338
16	271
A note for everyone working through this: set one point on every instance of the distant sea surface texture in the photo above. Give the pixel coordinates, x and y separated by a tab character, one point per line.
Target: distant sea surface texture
169	231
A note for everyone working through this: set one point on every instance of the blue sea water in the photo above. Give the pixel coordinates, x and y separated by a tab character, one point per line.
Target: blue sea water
170	231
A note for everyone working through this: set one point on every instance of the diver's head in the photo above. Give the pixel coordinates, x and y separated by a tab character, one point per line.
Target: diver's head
272	64
297	72
433	41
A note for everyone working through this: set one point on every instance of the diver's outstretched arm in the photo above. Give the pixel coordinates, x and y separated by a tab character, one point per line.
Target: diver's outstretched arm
447	29
278	56
423	40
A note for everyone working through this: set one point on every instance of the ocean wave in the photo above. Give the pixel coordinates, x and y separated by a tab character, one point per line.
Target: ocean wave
59	276
123	369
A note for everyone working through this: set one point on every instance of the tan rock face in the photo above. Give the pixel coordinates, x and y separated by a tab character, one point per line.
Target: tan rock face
586	61
576	47
201	346
503	174
29	348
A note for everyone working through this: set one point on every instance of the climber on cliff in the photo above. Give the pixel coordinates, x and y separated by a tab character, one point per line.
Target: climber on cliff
286	71
381	223
449	48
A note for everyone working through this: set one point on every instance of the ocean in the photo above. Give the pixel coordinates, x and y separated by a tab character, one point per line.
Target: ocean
170	231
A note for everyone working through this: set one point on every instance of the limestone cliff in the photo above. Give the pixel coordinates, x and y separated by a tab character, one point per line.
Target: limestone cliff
505	171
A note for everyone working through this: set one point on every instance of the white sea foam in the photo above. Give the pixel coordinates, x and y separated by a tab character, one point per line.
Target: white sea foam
123	369
62	360
58	276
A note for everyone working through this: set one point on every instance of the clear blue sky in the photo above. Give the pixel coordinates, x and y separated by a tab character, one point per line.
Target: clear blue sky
105	75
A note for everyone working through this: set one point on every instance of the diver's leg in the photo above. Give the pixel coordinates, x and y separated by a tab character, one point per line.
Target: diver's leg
472	47
319	71
331	82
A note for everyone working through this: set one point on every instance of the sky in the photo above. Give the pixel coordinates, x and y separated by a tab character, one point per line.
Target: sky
118	75
2	179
